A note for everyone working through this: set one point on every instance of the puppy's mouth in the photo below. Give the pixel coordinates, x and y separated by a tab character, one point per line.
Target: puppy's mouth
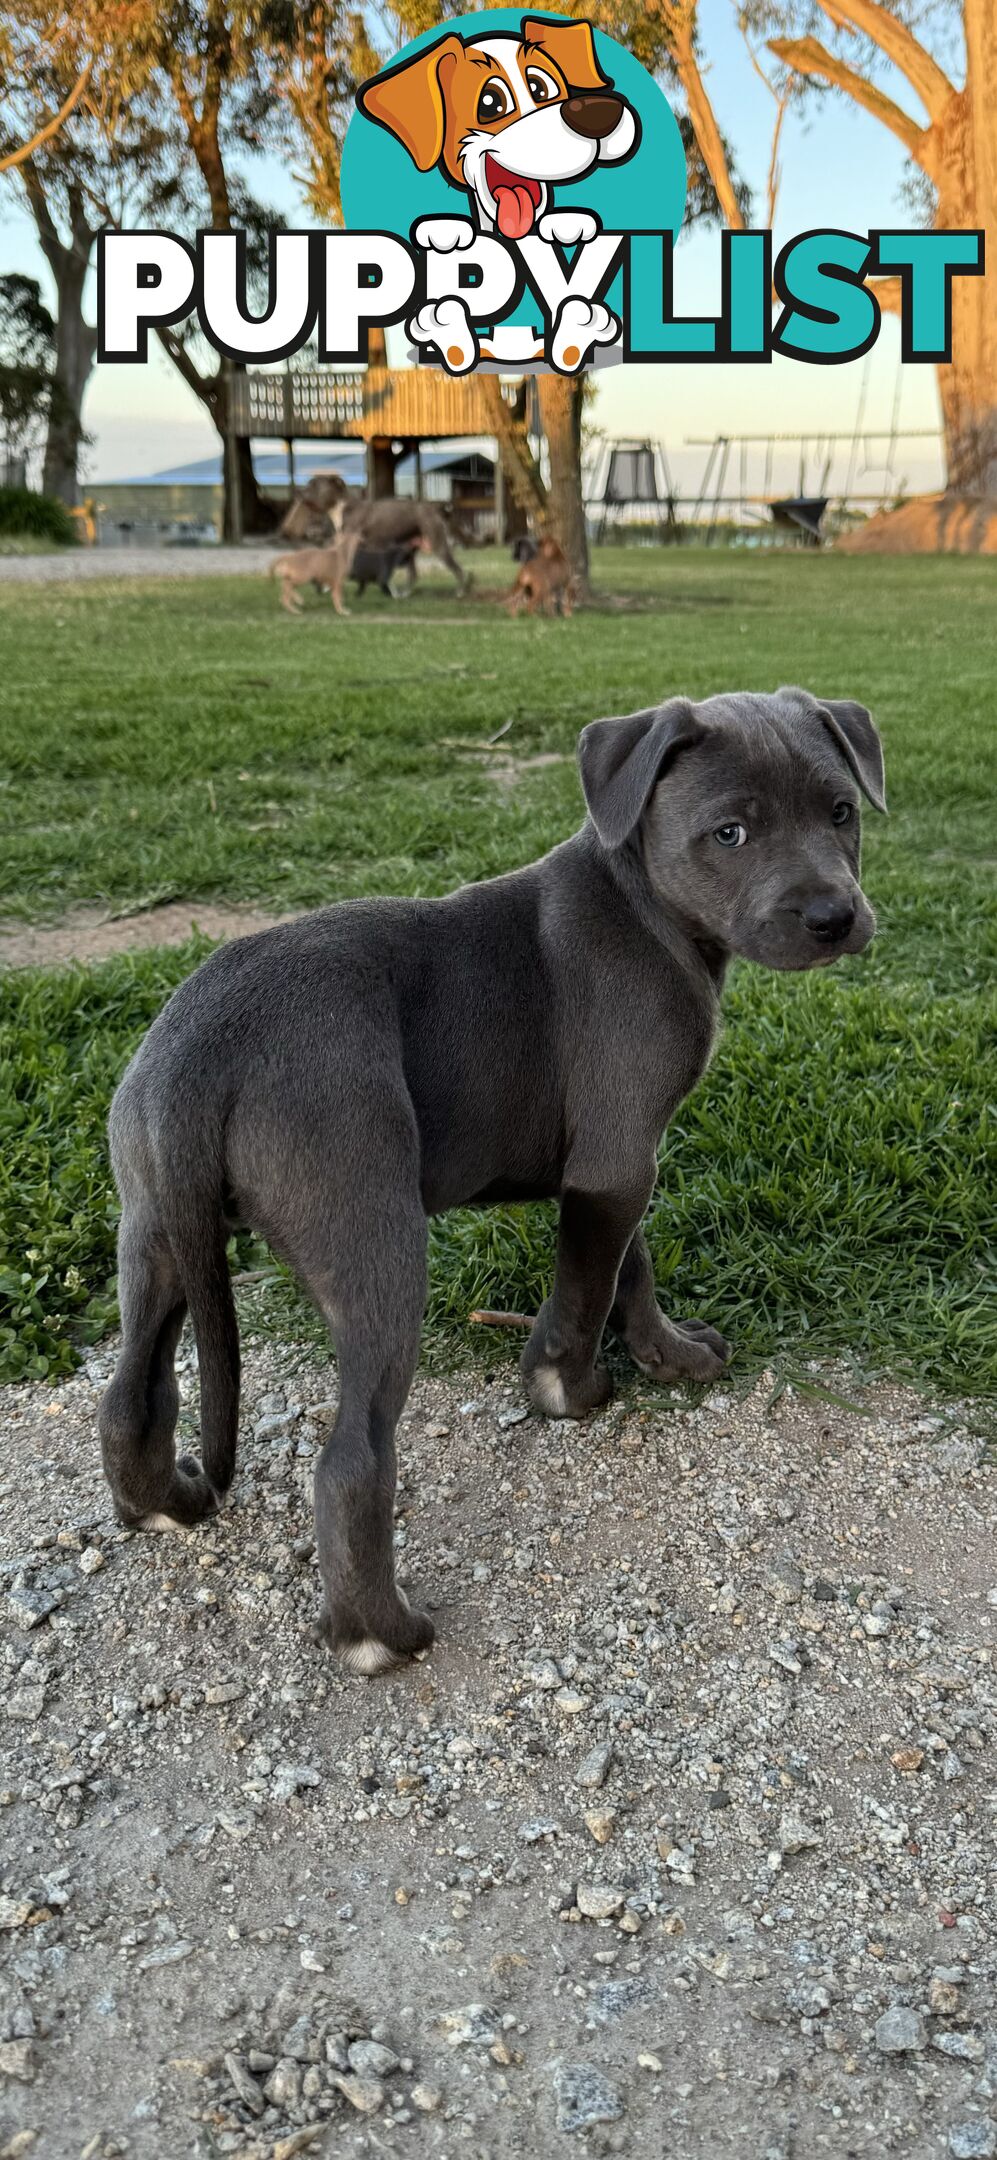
516	196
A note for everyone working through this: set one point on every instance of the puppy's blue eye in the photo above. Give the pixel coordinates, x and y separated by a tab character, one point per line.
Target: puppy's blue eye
843	813
730	835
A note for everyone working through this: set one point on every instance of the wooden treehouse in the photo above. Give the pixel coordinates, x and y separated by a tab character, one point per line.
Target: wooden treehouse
394	411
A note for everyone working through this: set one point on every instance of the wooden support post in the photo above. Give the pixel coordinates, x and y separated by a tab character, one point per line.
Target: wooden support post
380	467
499	499
233	491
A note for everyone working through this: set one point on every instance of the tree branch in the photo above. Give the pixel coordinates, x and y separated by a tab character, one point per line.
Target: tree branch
899	45
14	158
679	19
52	246
203	386
807	56
888	291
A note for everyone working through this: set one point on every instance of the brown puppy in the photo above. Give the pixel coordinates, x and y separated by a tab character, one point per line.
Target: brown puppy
310	520
327	568
544	583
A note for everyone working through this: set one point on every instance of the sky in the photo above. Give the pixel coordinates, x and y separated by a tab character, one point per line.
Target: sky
839	168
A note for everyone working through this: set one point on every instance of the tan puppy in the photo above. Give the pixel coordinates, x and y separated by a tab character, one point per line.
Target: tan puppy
506	117
327	568
544	583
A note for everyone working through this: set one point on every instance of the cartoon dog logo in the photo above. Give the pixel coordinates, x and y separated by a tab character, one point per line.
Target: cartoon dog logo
507	118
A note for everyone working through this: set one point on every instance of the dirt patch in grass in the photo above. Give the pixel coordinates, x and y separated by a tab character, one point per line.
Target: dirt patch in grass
90	934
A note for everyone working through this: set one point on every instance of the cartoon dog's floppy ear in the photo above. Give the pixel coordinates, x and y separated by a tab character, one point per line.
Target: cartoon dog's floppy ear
571	47
621	762
409	100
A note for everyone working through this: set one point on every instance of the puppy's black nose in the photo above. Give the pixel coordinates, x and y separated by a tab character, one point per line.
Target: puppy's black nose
829	917
594	114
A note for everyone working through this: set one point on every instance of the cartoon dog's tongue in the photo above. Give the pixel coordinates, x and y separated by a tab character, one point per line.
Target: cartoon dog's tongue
517	199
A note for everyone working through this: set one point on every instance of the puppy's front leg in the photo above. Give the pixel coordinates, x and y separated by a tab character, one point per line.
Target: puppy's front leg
667	1350
559	1361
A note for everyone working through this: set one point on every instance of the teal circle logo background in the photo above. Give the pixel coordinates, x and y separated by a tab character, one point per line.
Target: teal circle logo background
383	190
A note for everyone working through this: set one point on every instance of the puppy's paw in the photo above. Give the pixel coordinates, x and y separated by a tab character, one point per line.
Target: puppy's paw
581	324
395	1634
188	1500
569	228
557	1393
443	234
685	1350
447	325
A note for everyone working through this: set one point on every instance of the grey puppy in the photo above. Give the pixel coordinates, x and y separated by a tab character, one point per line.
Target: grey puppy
335	1080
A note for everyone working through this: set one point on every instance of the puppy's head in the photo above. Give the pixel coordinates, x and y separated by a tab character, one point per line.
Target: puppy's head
506	116
745	812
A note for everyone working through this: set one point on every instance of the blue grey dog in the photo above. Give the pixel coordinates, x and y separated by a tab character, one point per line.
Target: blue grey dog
335	1080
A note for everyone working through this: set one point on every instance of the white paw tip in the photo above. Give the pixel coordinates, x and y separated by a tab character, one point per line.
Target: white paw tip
580	325
444	234
166	1522
445	323
568	228
368	1658
548	1390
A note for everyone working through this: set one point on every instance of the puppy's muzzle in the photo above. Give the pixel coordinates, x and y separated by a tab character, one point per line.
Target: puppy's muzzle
829	917
593	114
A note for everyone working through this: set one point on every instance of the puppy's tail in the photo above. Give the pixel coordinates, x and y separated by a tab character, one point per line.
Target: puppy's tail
196	1231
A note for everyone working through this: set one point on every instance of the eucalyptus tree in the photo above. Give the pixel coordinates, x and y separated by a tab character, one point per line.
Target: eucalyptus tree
927	71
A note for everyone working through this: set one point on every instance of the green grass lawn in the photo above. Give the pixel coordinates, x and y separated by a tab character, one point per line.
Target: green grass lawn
829	1188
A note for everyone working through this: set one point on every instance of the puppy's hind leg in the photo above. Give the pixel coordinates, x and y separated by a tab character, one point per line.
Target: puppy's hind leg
371	1289
138	1412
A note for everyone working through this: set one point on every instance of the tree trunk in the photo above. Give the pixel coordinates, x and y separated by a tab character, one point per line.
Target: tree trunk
561	415
966	172
258	516
75	342
252	514
75	346
522	476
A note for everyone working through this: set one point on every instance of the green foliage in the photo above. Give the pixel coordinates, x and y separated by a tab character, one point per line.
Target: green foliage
27	516
27	354
828	1189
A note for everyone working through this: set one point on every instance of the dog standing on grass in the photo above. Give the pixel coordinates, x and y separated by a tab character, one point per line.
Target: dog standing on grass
327	568
545	582
334	1081
378	565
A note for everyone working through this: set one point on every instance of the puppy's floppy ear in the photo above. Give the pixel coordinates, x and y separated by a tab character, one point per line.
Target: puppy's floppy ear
621	762
409	101
857	739
572	49
853	731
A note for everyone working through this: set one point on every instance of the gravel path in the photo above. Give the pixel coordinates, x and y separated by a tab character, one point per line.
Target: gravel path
70	566
680	1843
